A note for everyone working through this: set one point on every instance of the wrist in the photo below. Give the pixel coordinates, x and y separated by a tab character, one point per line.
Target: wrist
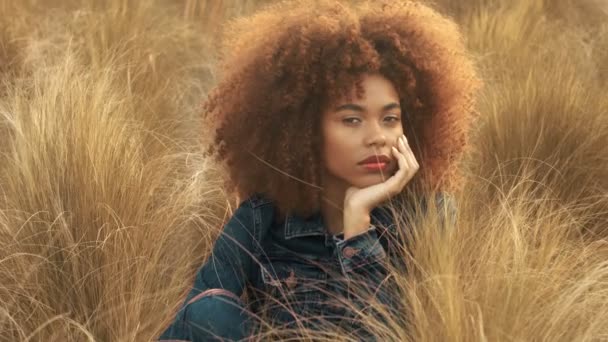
356	221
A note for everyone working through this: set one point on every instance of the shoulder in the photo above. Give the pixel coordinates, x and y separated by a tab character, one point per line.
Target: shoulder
444	199
253	215
443	202
259	206
255	201
440	200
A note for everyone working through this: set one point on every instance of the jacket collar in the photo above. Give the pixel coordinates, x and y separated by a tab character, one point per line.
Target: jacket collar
296	226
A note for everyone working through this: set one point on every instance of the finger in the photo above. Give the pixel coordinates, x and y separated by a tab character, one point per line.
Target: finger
407	176
407	153
394	183
402	176
400	158
403	164
410	155
414	160
401	152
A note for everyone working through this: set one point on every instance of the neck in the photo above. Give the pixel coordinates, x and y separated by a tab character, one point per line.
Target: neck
332	206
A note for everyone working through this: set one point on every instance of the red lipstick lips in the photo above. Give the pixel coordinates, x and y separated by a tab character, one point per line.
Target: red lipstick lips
375	163
376	159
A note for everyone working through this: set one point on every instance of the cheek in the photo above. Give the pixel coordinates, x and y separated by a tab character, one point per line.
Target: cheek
400	131
339	155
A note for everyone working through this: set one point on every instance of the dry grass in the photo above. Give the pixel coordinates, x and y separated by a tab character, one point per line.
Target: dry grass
107	208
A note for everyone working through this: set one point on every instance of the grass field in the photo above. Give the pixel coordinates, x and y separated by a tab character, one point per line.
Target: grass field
107	207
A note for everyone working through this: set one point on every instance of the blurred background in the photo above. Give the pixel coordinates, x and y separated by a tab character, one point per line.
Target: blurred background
107	207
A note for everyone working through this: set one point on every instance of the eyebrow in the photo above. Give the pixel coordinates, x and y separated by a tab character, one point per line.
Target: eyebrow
357	108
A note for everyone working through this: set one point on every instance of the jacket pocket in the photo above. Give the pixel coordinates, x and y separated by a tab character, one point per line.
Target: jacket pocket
292	289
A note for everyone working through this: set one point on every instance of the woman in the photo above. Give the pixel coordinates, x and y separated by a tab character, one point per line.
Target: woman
324	116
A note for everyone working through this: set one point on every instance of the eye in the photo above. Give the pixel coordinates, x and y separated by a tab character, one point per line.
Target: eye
349	120
395	118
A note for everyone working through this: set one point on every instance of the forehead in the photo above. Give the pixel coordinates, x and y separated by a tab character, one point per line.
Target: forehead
376	91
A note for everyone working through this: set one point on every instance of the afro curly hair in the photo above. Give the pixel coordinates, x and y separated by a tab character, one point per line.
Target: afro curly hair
280	67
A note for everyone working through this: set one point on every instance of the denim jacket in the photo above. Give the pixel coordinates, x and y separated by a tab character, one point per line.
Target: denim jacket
295	269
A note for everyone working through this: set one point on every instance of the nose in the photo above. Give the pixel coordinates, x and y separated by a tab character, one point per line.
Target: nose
375	136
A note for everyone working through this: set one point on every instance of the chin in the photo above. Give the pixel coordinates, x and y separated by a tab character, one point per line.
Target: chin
371	179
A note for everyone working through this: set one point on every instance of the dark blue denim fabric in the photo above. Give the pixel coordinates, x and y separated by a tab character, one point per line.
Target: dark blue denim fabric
296	271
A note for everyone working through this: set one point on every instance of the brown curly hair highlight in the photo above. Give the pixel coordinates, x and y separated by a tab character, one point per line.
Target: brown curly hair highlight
282	65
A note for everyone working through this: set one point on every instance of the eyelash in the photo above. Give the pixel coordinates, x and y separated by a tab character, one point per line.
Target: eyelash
350	122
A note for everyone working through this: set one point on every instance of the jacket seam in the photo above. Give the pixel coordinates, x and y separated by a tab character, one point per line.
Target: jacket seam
213	292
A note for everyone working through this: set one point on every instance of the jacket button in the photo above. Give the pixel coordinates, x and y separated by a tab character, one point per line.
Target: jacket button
349	252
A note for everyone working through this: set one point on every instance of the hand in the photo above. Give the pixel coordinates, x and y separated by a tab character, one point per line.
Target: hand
366	199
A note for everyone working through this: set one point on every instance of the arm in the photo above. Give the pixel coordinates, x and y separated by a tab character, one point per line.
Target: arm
231	259
362	258
227	269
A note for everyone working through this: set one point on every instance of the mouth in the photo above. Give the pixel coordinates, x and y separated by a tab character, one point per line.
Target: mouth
375	166
377	159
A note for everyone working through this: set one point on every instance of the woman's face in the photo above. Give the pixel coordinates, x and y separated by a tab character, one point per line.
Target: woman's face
355	129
